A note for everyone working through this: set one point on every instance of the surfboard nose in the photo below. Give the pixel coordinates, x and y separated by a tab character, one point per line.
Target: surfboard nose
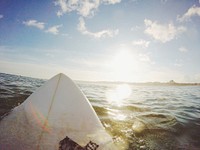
55	110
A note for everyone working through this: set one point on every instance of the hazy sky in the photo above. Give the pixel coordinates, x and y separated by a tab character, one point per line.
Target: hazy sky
117	40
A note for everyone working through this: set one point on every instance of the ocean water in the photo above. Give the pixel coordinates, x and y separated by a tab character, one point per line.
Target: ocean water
137	116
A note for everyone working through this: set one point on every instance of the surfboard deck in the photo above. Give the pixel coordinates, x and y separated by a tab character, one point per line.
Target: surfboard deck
56	110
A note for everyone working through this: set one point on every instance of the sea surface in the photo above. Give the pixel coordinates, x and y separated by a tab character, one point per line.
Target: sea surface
143	117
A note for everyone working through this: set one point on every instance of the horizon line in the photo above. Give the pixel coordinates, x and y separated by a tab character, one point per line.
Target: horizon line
171	82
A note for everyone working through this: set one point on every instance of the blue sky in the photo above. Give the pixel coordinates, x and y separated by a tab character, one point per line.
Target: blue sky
109	40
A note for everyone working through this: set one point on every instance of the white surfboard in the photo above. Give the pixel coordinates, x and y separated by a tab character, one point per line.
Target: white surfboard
56	110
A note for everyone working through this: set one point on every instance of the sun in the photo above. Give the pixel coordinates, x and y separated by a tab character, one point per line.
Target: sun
122	64
122	59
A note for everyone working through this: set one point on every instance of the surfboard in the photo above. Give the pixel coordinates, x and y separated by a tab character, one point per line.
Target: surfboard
56	110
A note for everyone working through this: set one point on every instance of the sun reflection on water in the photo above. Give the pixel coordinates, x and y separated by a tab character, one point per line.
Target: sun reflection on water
117	96
119	93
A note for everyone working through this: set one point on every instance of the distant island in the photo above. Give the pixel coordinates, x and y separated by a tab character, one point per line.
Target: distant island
169	83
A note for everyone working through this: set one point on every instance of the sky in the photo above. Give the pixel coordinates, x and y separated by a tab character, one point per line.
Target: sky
101	40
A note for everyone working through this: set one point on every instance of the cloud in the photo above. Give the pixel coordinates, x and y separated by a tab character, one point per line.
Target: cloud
41	25
34	23
84	8
136	28
162	32
111	1
54	29
141	43
193	11
1	16
144	58
164	1
178	63
101	34
183	49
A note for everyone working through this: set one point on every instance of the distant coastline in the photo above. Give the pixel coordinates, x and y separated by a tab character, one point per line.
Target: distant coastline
170	83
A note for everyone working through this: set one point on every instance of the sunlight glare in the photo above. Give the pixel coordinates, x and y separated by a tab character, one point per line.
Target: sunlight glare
122	59
123	64
119	93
